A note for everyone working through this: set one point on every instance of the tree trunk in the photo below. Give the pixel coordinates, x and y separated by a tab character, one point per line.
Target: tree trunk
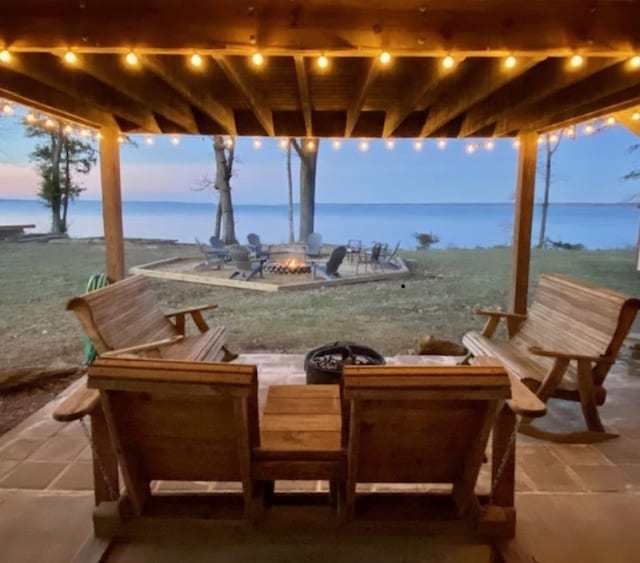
308	160
550	151
224	165
218	226
67	186
290	185
56	154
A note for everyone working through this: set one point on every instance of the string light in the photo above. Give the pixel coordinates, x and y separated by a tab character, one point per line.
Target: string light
442	144
131	59
70	57
175	140
611	120
85	133
636	116
634	62
448	62
489	145
30	118
148	140
196	60
540	140
49	123
588	129
311	145
5	56
284	143
98	136
470	149
576	61
364	146
257	59
571	132
510	61
554	138
121	139
68	129
228	142
257	143
385	58
6	108
390	144
516	143
417	145
323	62
336	145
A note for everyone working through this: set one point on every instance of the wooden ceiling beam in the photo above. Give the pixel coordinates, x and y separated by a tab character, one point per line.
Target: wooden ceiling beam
543	80
598	86
197	96
436	27
303	90
369	72
42	68
144	89
31	93
467	89
426	76
240	78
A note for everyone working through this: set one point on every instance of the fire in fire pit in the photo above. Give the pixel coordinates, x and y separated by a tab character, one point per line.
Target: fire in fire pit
289	266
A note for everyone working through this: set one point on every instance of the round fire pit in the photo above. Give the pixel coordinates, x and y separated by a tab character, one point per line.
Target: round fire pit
324	365
291	266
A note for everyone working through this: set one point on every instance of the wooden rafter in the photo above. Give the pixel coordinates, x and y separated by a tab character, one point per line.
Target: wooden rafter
426	76
369	73
543	80
569	101
479	82
240	79
138	86
25	90
198	97
42	68
303	90
543	27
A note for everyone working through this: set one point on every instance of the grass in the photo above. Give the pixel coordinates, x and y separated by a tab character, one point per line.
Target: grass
37	280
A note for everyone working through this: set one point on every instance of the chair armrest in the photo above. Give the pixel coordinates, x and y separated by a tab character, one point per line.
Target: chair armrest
77	405
538	351
524	401
191	310
142	347
499	314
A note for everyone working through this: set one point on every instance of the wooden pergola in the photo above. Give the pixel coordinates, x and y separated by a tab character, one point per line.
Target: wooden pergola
513	68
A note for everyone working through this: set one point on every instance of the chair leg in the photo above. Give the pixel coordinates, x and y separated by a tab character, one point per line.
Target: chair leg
587	398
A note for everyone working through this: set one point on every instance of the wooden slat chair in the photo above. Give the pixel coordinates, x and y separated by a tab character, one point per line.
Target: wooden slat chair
180	421
428	424
563	348
125	318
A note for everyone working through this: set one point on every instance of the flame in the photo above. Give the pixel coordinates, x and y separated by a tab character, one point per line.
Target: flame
292	263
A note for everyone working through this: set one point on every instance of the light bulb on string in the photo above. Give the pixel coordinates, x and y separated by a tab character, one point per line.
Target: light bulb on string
175	140
257	143
98	136
284	143
323	61
311	145
131	58
448	62
442	144
516	143
121	139
364	145
470	149
5	56
68	129
257	59
7	109
148	140
30	118
385	58
489	145
85	133
70	57
611	121
336	144
576	61
553	138
589	129
634	62
196	60
636	116
390	144
228	142
417	146
510	62
540	140
571	132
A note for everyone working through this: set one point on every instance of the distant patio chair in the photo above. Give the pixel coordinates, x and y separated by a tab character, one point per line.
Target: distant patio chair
256	246
246	268
354	247
370	258
313	246
384	248
214	256
388	261
329	270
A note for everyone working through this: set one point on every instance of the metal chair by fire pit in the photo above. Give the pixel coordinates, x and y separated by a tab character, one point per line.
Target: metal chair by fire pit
323	365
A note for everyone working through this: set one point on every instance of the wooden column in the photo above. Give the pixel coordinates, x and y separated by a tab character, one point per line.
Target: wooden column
522	222
112	203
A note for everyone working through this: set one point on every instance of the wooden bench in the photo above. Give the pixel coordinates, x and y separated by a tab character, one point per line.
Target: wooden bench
13	231
125	318
564	347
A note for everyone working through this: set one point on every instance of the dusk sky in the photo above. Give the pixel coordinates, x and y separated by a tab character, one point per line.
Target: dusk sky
586	170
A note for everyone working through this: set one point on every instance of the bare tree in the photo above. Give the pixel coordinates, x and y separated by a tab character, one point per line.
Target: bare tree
551	147
290	193
224	154
308	152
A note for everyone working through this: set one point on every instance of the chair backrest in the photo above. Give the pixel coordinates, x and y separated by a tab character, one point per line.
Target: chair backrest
419	424
335	260
585	318
240	257
314	243
216	243
375	253
254	242
354	244
121	315
182	421
394	252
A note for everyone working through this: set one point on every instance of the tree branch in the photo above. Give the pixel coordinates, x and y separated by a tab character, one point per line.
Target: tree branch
294	143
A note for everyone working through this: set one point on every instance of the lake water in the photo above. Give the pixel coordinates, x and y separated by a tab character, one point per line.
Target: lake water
459	225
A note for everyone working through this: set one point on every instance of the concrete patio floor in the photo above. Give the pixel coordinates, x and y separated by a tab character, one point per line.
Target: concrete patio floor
575	502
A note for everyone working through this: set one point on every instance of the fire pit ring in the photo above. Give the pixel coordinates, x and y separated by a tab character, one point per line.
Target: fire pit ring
323	365
291	266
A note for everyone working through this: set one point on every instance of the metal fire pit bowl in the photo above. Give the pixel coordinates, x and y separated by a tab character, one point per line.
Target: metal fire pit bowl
323	365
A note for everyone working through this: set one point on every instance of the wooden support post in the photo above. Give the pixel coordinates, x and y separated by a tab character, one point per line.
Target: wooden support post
112	203
105	464
522	223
